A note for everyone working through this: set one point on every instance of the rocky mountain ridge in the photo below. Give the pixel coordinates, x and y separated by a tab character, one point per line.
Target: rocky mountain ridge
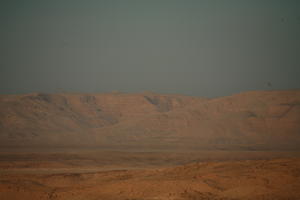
250	120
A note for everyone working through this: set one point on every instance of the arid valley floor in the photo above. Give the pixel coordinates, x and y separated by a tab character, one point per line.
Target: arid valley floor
116	175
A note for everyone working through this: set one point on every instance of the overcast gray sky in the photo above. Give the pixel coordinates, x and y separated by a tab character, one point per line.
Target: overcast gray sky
193	47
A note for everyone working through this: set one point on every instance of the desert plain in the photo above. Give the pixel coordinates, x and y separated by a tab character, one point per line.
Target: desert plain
150	147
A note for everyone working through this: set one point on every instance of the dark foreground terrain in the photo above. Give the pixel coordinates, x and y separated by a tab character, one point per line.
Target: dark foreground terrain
112	175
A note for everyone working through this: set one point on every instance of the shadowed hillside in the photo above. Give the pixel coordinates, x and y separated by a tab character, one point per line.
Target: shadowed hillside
251	120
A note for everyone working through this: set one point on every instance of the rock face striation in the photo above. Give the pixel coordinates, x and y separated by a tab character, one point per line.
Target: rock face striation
255	120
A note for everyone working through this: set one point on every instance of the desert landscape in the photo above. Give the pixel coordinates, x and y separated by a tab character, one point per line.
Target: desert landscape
149	146
149	100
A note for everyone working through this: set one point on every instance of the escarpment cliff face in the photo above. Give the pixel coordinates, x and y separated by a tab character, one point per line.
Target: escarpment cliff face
250	120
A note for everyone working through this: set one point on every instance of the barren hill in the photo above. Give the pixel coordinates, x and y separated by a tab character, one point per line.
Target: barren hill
250	120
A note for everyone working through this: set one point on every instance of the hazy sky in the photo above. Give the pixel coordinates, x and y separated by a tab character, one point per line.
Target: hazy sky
193	47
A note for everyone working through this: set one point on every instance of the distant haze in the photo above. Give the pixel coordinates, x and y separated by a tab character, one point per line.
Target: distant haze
202	48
